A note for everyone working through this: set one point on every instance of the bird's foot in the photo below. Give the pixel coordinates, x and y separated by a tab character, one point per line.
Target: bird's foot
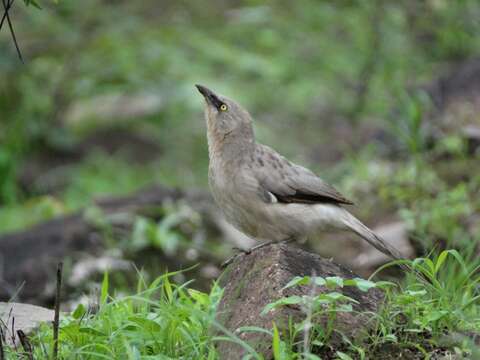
254	248
232	258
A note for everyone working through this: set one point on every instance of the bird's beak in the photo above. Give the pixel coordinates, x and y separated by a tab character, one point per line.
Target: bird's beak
210	97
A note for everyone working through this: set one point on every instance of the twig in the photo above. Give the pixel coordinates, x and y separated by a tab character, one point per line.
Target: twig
25	344
2	354
6	6
12	334
4	16
57	311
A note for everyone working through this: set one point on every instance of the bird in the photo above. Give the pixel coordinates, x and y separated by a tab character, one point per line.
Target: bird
263	194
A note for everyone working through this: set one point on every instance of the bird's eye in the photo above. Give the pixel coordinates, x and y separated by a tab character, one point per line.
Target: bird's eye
223	107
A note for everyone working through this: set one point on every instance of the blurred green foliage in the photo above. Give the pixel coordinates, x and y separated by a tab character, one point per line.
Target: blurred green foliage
290	63
301	68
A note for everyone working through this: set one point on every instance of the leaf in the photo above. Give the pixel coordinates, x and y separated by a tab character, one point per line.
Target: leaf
244	329
391	338
279	348
333	298
79	311
440	260
297	280
91	331
345	308
343	356
309	356
320	281
276	344
334	281
290	300
168	289
361	284
417	293
32	2
146	324
104	292
430	265
199	297
436	315
459	258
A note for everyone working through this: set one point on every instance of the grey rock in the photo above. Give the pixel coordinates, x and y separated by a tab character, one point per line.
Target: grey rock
25	317
255	280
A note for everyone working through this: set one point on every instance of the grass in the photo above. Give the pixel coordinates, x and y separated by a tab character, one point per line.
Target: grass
161	321
434	314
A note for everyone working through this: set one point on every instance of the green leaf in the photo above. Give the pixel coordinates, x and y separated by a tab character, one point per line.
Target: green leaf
459	258
79	311
104	292
277	355
146	324
391	338
297	280
290	300
199	297
361	284
320	281
343	356
336	296
334	281
417	293
278	346
32	2
90	331
436	315
309	356
441	259
168	289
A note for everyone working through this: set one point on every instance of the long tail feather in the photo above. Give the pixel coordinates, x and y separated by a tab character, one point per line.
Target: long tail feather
364	232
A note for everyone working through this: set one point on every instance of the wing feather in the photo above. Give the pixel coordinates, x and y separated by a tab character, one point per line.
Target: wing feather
291	183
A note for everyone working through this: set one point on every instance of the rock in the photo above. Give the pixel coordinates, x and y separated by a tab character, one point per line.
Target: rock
471	134
84	269
30	256
255	280
25	317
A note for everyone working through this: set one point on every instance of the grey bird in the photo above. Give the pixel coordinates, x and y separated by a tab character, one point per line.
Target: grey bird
264	195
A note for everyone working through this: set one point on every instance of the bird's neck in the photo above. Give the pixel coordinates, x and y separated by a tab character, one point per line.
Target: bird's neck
230	146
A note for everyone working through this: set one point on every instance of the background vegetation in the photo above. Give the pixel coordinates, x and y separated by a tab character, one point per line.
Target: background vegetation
358	90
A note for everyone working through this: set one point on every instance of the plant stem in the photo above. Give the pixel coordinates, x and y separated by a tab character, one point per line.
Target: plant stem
57	311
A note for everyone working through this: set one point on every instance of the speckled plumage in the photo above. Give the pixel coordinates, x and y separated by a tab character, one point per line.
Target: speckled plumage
263	194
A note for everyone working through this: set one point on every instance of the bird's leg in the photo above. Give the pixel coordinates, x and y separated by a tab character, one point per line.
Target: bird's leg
256	247
262	245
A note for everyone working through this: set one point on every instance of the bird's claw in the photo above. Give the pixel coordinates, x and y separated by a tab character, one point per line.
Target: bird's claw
232	258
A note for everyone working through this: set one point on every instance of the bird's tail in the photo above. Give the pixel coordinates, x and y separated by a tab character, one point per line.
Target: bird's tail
377	242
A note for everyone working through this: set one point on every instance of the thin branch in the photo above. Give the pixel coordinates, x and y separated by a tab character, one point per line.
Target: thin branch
2	354
12	334
10	26
56	322
4	16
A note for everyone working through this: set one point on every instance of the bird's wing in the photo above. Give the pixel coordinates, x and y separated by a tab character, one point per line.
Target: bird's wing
291	183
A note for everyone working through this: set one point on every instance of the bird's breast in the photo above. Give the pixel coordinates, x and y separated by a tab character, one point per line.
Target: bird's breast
234	194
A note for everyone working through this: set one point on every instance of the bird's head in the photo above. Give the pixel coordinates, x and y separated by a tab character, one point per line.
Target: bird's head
225	118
